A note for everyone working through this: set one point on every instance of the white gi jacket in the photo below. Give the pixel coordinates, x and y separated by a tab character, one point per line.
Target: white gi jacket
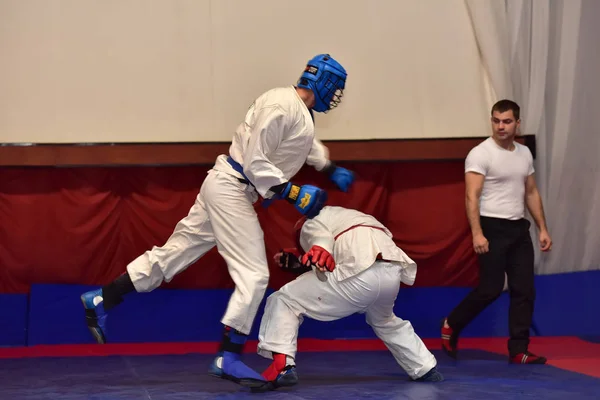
275	140
354	248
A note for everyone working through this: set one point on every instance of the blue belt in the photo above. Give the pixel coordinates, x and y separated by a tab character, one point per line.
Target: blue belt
235	165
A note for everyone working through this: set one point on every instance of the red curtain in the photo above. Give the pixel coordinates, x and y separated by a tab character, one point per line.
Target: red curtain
83	225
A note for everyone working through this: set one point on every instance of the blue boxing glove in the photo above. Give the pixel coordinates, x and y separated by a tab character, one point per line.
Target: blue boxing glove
342	177
307	199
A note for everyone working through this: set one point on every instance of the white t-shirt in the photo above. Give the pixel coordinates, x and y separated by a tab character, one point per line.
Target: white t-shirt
505	171
276	138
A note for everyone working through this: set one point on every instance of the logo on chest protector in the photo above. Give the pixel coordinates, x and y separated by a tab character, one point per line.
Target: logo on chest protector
305	200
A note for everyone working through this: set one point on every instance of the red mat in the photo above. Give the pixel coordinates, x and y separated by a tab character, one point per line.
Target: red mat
569	353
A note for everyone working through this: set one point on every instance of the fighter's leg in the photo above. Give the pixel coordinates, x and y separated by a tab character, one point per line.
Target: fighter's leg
285	310
398	335
240	241
191	238
307	296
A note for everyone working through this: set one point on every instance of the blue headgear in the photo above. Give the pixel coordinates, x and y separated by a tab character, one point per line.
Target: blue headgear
327	79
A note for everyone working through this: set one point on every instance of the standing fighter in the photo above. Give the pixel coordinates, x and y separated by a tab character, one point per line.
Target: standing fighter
364	271
500	182
269	147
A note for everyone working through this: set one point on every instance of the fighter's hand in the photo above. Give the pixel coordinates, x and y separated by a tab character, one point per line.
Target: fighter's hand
280	259
480	244
288	260
308	199
343	178
545	241
320	258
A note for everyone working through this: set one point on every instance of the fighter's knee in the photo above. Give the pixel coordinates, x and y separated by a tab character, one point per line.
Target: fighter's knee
371	322
275	298
257	284
262	279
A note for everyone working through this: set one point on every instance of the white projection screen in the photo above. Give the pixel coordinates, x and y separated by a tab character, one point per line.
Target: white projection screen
116	71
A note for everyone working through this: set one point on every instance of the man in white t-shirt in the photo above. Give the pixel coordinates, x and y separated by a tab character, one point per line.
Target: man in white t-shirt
499	177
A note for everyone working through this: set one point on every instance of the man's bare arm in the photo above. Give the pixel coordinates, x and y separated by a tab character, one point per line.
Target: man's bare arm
474	185
534	203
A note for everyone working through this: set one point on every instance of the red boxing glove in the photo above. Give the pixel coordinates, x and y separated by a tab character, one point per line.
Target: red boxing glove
319	257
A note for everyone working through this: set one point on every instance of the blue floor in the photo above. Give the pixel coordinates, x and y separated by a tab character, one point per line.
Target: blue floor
331	376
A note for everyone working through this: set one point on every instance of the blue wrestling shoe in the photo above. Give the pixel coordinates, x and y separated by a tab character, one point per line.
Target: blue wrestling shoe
433	375
227	365
95	315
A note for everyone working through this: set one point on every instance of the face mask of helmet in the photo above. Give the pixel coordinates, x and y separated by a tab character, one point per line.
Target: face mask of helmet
327	79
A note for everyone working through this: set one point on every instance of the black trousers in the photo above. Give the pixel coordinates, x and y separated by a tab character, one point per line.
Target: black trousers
510	251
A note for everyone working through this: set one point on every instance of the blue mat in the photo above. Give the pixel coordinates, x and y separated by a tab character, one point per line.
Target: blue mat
13	319
54	314
57	317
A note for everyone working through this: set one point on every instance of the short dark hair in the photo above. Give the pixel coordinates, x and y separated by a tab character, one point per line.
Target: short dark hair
506	105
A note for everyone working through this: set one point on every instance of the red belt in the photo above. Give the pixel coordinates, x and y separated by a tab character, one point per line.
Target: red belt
379	257
356	226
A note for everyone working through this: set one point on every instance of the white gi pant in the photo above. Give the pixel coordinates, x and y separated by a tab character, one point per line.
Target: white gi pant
372	291
222	215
